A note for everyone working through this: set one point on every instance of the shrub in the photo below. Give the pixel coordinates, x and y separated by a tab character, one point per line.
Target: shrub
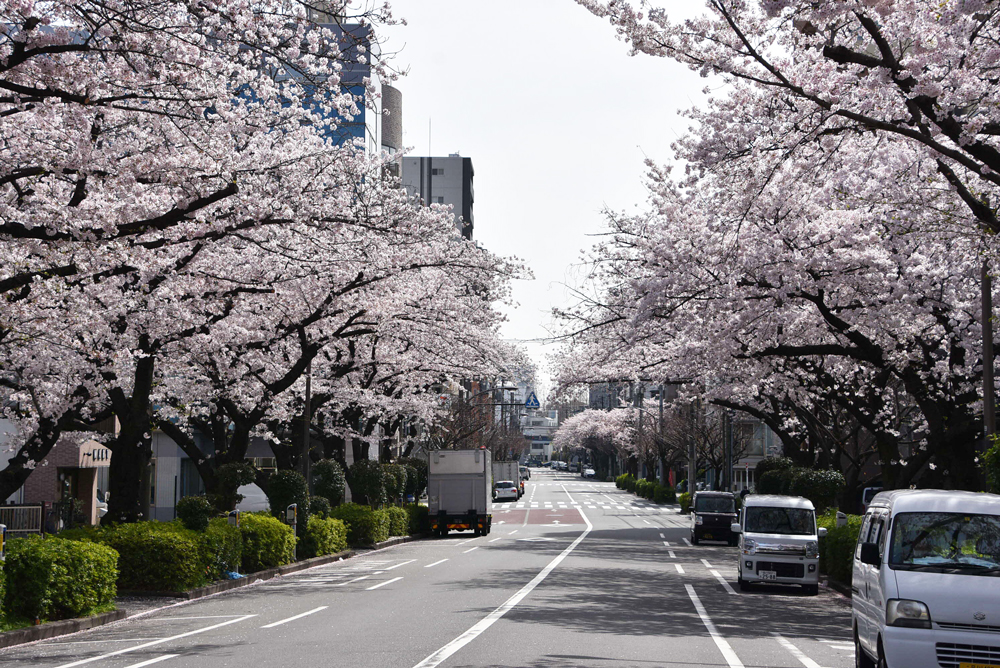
418	519
836	549
412	481
194	512
54	578
285	488
319	506
366	479
394	477
685	501
267	542
229	478
420	464
329	481
772	482
156	556
820	487
772	464
989	464
365	526
324	536
221	548
399	521
664	494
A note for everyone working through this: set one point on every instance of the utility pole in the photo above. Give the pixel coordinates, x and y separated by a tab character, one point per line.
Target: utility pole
304	465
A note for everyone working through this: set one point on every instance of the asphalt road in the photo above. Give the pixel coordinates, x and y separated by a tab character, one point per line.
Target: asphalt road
577	573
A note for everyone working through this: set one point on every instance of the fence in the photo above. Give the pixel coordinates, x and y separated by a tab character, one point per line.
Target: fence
21	520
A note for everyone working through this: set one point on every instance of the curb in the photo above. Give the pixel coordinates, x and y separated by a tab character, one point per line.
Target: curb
60	628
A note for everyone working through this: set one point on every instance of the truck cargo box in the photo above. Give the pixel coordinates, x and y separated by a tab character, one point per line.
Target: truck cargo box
460	491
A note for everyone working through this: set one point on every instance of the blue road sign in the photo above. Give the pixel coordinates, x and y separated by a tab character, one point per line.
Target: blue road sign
532	401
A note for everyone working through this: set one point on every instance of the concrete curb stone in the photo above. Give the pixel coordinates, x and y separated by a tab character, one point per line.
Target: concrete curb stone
62	627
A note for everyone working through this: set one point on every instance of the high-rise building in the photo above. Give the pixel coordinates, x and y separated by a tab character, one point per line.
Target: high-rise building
443	181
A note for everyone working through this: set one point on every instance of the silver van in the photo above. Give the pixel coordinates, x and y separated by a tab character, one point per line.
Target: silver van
926	581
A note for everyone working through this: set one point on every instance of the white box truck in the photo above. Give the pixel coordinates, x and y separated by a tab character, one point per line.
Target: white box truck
460	491
508	471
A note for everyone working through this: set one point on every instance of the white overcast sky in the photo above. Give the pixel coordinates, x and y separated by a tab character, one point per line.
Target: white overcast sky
557	119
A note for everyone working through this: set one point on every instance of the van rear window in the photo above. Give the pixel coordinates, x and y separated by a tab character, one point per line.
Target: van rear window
714	504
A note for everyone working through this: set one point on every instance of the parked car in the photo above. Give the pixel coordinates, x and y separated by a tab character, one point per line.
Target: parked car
926	580
589	473
713	516
574	467
505	489
779	542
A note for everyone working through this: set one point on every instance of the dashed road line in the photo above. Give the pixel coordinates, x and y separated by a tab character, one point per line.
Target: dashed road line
440	561
723	582
680	569
152	661
382	584
795	651
292	619
402	564
720	642
707	565
686	542
347	582
471	549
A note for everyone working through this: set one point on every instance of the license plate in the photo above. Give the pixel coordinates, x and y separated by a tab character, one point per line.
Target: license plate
978	665
768	575
708	536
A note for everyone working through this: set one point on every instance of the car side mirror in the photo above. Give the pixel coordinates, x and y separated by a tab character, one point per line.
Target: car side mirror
822	532
735	528
869	554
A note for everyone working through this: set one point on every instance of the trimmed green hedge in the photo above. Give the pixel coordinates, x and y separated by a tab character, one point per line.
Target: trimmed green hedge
685	500
54	578
419	518
221	548
155	556
664	494
836	549
820	487
194	512
267	542
324	536
365	526
399	521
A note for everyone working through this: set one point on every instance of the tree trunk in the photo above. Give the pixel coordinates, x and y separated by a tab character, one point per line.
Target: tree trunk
132	452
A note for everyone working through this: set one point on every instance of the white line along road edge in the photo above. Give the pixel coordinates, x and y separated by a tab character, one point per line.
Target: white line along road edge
155	642
720	642
795	651
461	641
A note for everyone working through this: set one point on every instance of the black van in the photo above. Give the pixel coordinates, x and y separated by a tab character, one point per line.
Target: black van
714	513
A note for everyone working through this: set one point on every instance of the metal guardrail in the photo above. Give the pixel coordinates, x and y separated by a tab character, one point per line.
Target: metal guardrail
21	520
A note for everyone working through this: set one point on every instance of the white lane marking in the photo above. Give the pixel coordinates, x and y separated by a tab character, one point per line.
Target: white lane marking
606	507
402	564
680	569
722	581
795	651
56	641
154	642
347	582
662	536
671	553
471	549
382	584
666	544
152	661
493	540
292	619
707	565
513	532
646	521
720	642
501	522
686	542
436	563
461	641
184	619
469	540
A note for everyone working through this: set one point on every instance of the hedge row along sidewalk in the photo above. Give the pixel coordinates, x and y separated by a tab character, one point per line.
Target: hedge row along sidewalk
653	491
79	573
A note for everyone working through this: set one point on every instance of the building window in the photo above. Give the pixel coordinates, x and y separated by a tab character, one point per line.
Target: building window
437	171
438	199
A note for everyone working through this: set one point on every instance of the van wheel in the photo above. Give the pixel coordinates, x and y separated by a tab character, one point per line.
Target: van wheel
861	658
743	584
882	662
811	590
694	539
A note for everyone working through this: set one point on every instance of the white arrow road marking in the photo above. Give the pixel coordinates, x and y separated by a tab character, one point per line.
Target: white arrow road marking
795	651
382	584
720	642
155	642
292	619
461	641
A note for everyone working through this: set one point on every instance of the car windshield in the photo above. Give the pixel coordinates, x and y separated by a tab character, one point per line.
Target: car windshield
792	521
947	541
505	484
714	504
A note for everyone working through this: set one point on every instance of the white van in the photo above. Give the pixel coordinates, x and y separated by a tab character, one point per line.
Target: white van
778	542
926	581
